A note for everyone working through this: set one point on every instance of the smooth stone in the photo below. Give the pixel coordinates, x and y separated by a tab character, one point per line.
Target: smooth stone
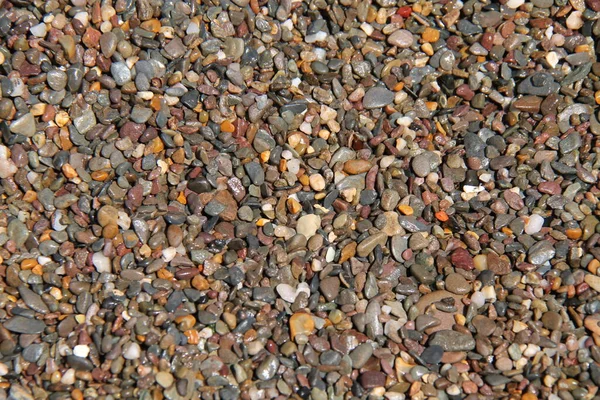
120	73
360	355
57	79
307	225
452	341
24	125
164	379
541	252
377	97
367	245
432	354
85	122
401	38
33	300
21	324
330	287
457	284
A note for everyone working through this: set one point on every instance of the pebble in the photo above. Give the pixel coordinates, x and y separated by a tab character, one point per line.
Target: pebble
24	325
164	379
377	97
401	38
452	341
308	224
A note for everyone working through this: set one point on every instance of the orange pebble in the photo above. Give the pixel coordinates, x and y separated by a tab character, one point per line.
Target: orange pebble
431	35
95	87
28	263
227	126
593	266
405	210
99	176
77	394
441	216
192	336
164	274
304	180
30	196
155	103
574	234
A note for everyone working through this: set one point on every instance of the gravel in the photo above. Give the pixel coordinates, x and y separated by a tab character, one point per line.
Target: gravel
308	200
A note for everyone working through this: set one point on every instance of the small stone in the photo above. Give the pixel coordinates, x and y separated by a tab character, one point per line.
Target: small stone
24	125
432	354
120	73
267	368
541	252
164	379
301	324
24	325
132	351
355	167
401	38
372	379
360	355
552	320
377	97
366	246
452	341
102	263
308	224
457	284
317	182
533	224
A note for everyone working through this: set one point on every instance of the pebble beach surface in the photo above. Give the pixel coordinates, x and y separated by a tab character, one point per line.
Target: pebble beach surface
318	199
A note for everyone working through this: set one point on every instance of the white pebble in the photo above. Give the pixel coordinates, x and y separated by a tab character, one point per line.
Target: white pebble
286	292
39	30
169	254
123	220
306	128
68	377
81	350
132	351
7	168
316	37
552	59
404	121
531	350
534	224
489	293
386	161
367	28
56	225
83	17
308	225
330	255
192	28
478	299
575	20
289	294
515	3
293	166
3	369
296	82
102	263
